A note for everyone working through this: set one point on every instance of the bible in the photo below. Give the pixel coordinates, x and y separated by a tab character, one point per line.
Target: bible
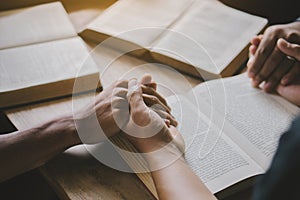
41	56
231	136
237	132
203	38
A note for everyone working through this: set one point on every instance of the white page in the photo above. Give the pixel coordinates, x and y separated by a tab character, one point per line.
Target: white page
44	63
224	163
209	35
36	24
256	119
133	20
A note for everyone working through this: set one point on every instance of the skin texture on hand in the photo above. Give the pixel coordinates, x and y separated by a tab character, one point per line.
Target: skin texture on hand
290	49
149	127
96	122
267	62
290	91
110	111
24	150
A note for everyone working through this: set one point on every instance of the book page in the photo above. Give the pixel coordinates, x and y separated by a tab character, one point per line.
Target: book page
224	162
36	24
255	119
209	35
44	63
134	21
84	12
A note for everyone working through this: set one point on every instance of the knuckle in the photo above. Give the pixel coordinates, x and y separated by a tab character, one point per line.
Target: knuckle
263	51
292	36
148	90
120	82
274	30
134	93
155	99
116	101
117	83
119	92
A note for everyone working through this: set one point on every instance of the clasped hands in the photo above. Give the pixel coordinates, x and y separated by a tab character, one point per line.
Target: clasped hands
132	108
274	58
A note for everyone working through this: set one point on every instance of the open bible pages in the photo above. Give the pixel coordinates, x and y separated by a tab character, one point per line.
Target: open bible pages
214	157
138	22
189	35
255	120
231	129
209	36
36	24
45	70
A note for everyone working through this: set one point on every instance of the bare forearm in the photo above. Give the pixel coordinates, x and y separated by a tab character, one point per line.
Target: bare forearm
177	181
24	150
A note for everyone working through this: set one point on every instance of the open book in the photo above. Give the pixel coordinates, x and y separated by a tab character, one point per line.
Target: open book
237	131
200	37
41	55
222	151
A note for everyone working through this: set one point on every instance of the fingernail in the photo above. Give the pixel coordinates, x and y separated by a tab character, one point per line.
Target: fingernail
251	74
168	123
250	62
132	83
284	81
176	123
282	42
267	87
255	83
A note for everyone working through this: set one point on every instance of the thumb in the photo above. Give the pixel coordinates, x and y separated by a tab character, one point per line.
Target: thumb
141	122
147	81
290	93
289	49
138	109
134	94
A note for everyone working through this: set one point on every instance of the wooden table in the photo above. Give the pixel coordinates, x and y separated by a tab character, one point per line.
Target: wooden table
75	174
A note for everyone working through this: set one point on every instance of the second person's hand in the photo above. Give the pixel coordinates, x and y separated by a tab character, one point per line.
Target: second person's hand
267	63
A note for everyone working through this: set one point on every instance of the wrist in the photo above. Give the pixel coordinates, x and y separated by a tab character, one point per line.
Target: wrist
65	127
163	157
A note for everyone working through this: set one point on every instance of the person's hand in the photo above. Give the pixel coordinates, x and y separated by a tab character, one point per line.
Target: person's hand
149	128
267	63
290	92
98	120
